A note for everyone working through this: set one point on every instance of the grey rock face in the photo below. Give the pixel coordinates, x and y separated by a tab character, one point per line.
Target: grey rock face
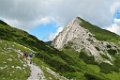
83	38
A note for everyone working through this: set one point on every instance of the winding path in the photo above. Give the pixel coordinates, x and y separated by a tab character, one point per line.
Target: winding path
36	73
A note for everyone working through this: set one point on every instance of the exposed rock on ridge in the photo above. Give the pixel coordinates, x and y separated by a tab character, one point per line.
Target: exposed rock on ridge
82	38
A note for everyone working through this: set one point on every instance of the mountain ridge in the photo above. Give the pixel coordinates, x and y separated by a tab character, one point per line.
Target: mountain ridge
82	39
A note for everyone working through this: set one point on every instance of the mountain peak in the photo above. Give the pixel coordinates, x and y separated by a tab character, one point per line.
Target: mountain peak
77	19
78	37
73	33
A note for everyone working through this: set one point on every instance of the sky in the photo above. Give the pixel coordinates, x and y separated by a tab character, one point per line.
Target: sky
46	18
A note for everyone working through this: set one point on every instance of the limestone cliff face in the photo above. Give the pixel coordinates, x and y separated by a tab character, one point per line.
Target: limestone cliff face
82	38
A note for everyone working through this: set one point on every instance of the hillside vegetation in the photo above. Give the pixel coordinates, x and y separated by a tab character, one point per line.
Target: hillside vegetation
67	62
11	68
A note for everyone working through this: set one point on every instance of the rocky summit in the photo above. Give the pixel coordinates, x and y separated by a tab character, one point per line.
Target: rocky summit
81	39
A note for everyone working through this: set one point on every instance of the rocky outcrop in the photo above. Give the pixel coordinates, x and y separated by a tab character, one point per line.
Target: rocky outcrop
81	38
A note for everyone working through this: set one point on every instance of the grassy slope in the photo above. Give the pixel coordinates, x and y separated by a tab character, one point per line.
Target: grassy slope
13	35
100	34
10	67
93	70
66	63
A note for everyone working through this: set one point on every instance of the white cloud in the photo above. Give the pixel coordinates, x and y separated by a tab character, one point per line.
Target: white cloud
26	25
117	21
28	13
45	20
53	35
115	6
115	27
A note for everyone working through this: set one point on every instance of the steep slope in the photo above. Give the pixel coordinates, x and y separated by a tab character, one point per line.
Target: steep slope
10	36
97	48
82	36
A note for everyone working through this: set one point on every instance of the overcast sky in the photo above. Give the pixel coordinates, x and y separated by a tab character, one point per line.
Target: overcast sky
48	17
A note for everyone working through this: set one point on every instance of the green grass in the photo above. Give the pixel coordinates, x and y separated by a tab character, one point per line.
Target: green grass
92	71
113	76
10	67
